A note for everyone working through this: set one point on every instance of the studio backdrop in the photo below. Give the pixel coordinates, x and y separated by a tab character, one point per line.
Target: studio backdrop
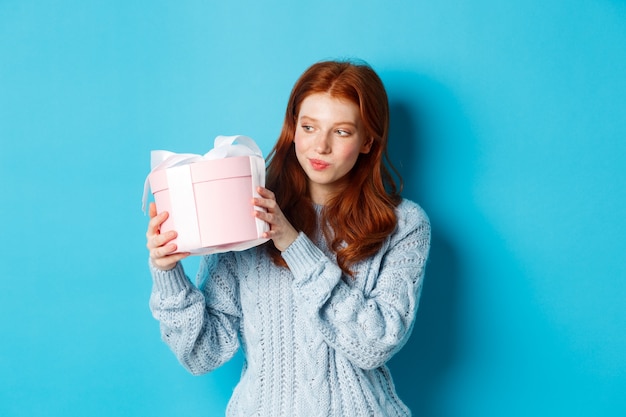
508	127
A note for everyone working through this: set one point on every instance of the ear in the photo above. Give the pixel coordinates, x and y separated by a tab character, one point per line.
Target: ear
367	145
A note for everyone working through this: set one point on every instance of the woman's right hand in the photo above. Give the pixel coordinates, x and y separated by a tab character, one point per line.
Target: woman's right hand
159	244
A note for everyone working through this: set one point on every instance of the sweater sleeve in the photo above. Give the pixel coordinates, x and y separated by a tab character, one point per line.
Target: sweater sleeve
199	325
367	324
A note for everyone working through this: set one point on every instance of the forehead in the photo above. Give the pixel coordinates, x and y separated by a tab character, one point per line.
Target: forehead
323	106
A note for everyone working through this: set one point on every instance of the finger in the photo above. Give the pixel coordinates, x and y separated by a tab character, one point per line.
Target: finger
163	251
154	226
265	216
260	203
264	192
268	204
163	254
158	240
152	211
169	262
179	256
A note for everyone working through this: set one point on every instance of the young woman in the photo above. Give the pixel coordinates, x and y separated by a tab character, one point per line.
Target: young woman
321	307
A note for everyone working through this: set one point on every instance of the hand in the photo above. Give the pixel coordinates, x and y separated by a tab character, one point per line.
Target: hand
281	231
159	244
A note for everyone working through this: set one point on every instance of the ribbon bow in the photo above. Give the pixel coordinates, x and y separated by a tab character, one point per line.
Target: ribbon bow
223	147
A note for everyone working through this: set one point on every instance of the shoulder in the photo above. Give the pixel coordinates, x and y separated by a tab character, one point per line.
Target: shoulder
411	215
412	227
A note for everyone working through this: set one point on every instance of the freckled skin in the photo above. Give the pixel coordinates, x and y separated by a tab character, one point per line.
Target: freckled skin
329	138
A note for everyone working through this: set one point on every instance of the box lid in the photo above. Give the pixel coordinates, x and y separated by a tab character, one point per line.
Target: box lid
208	170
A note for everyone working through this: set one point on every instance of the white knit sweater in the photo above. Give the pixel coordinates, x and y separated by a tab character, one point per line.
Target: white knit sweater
315	342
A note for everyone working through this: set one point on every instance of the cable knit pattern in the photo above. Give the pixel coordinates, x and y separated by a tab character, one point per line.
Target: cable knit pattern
315	341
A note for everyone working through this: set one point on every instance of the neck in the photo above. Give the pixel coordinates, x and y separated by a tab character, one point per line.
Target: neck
319	197
321	194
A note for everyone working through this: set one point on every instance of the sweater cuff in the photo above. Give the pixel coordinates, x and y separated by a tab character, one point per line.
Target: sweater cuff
171	282
302	255
314	274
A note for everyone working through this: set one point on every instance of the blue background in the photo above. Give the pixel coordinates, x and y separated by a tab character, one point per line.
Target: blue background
508	125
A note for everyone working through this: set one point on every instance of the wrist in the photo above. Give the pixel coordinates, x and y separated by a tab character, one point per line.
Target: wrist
286	241
162	268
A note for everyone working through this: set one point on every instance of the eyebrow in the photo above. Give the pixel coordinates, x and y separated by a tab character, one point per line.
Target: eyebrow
315	120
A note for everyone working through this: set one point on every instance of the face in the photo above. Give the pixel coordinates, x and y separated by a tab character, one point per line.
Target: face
328	140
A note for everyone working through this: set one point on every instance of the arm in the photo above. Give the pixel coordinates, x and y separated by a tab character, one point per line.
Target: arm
366	323
200	327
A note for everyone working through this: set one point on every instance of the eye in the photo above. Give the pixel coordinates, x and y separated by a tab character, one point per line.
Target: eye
307	128
342	132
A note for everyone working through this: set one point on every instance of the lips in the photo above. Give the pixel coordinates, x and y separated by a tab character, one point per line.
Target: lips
318	165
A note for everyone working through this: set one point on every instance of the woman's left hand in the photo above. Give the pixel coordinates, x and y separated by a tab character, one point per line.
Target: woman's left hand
281	231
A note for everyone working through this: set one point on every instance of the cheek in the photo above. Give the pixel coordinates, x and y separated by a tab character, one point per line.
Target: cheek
297	144
300	143
299	148
349	154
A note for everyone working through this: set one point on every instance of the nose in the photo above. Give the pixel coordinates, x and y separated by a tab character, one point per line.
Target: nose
322	143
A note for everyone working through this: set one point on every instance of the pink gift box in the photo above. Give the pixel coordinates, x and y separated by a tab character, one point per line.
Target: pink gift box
210	203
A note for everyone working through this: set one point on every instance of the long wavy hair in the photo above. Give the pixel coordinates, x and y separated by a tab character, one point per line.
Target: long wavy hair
356	220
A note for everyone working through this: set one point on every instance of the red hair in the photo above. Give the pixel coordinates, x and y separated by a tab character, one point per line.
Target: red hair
357	220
